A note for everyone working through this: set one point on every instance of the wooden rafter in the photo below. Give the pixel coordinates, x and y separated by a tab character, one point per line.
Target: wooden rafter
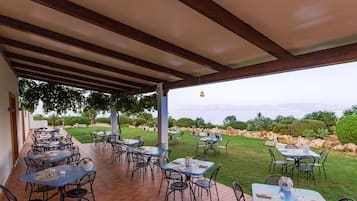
335	55
105	22
61	81
18	65
226	19
67	57
23	26
70	69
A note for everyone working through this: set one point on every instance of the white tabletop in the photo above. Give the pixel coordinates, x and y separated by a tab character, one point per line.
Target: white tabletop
265	192
297	153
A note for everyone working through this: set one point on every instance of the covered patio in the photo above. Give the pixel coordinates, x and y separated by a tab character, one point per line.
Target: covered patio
127	48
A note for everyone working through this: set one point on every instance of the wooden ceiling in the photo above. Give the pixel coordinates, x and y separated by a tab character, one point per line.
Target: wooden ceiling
127	47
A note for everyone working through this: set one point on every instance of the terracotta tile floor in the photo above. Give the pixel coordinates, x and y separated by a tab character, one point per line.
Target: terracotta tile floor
113	182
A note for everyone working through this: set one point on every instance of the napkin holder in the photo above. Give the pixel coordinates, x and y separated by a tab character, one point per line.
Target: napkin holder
188	162
305	148
286	184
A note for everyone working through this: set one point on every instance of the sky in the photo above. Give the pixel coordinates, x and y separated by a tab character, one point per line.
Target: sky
296	93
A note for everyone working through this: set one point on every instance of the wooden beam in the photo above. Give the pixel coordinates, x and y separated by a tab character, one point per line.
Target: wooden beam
47	78
216	13
26	27
107	23
23	66
70	69
346	53
67	57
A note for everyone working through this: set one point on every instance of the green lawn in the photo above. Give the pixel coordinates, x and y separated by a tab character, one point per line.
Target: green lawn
248	162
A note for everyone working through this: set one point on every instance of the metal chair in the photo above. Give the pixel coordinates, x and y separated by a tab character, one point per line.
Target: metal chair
141	141
275	162
223	147
74	159
273	179
199	145
175	182
238	191
320	163
79	192
141	162
346	199
207	184
202	158
118	150
10	196
305	167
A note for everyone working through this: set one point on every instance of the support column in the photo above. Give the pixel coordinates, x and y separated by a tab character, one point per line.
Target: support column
114	120
162	116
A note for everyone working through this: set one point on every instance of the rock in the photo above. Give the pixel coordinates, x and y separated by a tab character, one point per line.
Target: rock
269	143
283	139
329	143
338	147
231	131
317	143
351	147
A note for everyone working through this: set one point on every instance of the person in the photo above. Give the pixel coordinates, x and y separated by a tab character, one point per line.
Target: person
218	136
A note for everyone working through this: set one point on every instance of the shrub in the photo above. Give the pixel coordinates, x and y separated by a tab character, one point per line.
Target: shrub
237	125
210	125
75	119
124	125
139	121
104	120
346	129
259	123
185	122
281	128
329	118
125	120
299	126
38	117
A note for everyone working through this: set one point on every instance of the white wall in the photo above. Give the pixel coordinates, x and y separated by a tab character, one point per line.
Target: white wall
8	83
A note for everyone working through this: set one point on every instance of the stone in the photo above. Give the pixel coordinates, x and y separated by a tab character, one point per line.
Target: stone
317	143
269	143
338	147
283	139
351	147
331	143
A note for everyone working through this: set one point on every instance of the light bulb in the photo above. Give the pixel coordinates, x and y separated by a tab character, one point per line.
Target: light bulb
202	94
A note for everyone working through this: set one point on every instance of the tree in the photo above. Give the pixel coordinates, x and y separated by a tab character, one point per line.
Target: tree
172	121
185	122
55	97
259	123
199	122
329	118
351	111
229	119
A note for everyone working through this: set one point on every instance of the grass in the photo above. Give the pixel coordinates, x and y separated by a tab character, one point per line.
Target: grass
248	162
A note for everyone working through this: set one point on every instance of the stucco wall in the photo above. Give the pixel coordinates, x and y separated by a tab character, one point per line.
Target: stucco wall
8	83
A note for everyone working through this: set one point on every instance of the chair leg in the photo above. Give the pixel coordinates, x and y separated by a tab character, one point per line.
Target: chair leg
323	168
217	192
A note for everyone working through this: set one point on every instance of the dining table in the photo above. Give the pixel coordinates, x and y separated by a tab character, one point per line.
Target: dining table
128	142
210	141
50	157
195	168
148	150
58	176
297	154
266	192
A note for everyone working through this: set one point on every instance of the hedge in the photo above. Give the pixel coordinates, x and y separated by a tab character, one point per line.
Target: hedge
236	125
76	119
104	120
346	129
125	120
299	126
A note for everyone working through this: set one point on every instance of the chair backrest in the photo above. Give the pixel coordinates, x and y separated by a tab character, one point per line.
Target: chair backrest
88	178
238	191
74	149
291	146
323	156
172	174
273	179
346	199
84	161
228	140
272	155
215	173
74	158
8	194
